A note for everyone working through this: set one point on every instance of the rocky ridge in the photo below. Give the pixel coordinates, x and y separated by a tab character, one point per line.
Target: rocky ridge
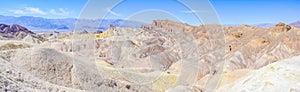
8	32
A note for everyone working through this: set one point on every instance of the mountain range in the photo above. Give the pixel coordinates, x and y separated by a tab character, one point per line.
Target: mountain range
296	24
266	25
68	24
44	24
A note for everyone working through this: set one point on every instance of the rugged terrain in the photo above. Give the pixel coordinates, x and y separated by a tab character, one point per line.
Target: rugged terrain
158	57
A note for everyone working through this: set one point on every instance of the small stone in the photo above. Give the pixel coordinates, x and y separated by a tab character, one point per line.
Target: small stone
128	86
6	83
8	71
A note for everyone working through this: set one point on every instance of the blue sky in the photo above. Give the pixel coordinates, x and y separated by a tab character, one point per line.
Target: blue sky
229	11
257	11
42	8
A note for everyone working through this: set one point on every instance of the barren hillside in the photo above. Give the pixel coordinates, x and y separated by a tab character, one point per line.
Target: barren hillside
158	57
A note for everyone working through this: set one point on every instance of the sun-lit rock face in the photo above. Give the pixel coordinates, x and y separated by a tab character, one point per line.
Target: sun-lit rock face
281	76
253	47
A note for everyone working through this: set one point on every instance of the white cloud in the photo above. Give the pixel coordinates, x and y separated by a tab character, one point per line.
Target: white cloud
34	10
17	11
60	11
112	12
193	11
52	11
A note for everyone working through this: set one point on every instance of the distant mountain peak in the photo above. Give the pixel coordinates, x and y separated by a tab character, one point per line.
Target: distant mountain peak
296	24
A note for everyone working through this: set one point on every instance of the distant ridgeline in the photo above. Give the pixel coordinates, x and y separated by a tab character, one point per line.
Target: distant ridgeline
43	24
6	29
13	31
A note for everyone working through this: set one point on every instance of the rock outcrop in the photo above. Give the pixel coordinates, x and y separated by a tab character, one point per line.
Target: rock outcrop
14	31
38	39
281	76
253	47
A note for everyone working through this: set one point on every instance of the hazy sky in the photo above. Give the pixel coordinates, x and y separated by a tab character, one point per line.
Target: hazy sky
229	11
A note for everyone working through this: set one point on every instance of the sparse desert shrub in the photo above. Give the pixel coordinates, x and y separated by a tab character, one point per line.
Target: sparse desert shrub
103	35
12	45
